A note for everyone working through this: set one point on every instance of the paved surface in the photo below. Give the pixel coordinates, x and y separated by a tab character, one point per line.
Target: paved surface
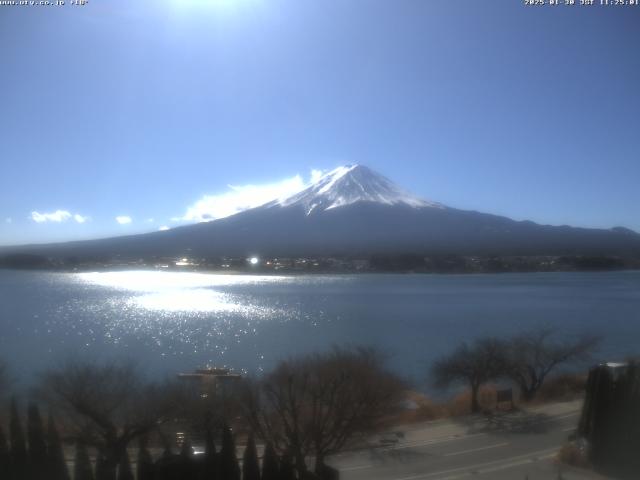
514	446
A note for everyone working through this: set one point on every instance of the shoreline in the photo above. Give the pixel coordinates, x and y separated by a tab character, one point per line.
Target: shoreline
294	273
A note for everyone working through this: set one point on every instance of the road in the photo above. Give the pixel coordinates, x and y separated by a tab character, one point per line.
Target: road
520	445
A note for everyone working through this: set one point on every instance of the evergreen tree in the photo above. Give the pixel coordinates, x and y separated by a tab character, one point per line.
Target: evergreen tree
19	456
55	453
144	470
186	461
103	470
124	468
5	456
38	468
82	466
287	472
270	467
250	465
168	466
229	468
210	468
160	467
187	449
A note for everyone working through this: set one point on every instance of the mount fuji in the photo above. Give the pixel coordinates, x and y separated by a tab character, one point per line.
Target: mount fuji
353	210
348	185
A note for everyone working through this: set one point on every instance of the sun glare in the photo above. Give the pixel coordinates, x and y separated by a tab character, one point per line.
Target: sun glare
209	4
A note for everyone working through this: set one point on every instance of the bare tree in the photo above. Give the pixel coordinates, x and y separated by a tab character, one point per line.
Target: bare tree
474	365
533	355
109	405
318	403
203	410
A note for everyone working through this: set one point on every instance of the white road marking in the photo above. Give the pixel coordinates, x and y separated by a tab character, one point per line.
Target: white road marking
563	416
433	441
453	454
357	467
452	438
462	452
492	466
498	468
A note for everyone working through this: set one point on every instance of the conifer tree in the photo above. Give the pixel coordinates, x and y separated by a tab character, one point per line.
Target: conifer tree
124	468
82	466
144	469
186	451
19	456
270	464
229	468
163	464
250	465
103	472
56	462
38	468
187	470
5	456
287	471
210	457
160	466
168	466
167	453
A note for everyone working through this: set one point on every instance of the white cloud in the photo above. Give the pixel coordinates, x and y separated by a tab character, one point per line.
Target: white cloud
8	220
123	219
163	228
316	175
239	198
150	220
57	216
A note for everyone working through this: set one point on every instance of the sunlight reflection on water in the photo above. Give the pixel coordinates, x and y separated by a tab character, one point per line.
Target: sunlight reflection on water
181	320
181	291
177	313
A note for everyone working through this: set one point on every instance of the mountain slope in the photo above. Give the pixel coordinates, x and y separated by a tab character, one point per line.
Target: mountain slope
355	211
348	185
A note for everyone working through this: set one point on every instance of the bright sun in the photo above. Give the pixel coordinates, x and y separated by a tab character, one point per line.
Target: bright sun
205	3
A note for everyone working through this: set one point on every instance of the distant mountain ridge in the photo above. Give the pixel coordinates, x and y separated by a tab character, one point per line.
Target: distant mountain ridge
353	210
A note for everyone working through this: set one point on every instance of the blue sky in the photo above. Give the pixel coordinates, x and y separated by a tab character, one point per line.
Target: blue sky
121	117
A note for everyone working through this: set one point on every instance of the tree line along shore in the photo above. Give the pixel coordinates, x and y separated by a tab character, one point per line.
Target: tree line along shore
381	263
105	417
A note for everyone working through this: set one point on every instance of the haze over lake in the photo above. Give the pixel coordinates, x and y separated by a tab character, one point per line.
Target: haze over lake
177	321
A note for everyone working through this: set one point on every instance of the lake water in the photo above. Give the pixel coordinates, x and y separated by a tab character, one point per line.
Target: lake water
170	322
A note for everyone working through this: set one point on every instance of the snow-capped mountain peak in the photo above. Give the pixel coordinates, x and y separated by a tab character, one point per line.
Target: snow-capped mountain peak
350	184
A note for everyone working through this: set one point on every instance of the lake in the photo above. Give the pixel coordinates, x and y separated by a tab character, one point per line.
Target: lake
178	321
